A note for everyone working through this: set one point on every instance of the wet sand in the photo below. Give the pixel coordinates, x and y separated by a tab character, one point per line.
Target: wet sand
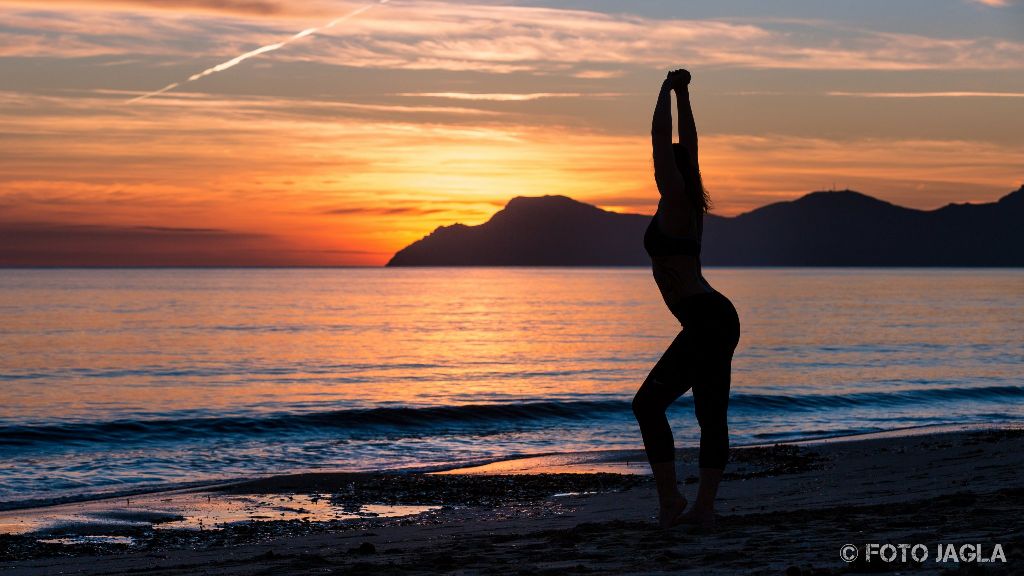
784	509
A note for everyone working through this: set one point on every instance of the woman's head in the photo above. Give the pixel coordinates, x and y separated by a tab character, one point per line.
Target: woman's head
695	190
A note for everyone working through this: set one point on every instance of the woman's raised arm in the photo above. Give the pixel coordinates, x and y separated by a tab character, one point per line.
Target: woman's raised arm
684	117
666	174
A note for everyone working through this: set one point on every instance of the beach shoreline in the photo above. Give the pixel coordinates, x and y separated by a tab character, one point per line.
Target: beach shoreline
781	506
617	461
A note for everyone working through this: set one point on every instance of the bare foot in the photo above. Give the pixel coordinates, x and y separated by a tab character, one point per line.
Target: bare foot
703	520
669	512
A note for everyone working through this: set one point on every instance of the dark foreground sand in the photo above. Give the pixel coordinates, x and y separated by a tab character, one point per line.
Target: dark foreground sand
784	510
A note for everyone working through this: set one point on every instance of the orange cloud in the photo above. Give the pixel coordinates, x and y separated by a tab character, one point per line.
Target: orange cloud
961	94
496	97
261	8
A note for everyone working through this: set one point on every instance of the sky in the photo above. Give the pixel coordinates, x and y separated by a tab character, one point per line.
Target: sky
329	132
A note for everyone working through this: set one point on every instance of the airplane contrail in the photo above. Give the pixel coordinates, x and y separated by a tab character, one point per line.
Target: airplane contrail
261	50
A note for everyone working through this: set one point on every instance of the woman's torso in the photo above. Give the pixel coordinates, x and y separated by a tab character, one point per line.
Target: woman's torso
675	260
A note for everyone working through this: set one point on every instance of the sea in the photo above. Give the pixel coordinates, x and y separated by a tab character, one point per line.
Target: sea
118	380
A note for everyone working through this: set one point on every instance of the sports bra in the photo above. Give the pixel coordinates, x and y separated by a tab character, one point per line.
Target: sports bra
658	243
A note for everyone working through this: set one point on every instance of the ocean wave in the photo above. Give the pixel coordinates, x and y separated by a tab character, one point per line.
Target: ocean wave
437	420
441	418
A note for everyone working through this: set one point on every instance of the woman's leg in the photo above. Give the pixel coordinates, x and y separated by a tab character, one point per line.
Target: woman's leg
665	383
711	406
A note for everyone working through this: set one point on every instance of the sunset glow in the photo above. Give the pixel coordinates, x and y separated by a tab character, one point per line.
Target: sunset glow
377	126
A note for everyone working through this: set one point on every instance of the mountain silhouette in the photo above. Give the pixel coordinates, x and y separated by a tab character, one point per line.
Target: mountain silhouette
836	228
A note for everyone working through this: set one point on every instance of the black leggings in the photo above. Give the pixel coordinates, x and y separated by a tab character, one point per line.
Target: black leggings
700	358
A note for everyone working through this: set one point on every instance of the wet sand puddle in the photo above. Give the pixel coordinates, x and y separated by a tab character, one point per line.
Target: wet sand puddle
124	521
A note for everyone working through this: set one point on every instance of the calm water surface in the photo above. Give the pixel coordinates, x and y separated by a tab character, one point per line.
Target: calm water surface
114	379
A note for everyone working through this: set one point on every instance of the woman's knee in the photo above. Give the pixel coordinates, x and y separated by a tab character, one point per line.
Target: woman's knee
647	402
641	405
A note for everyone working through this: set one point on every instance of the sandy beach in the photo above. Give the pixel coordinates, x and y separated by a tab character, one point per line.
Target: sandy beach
784	509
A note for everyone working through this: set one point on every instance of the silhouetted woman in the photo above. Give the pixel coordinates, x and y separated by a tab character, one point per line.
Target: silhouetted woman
700	357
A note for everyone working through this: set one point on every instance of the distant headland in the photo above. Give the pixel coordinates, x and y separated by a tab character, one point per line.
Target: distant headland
836	228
